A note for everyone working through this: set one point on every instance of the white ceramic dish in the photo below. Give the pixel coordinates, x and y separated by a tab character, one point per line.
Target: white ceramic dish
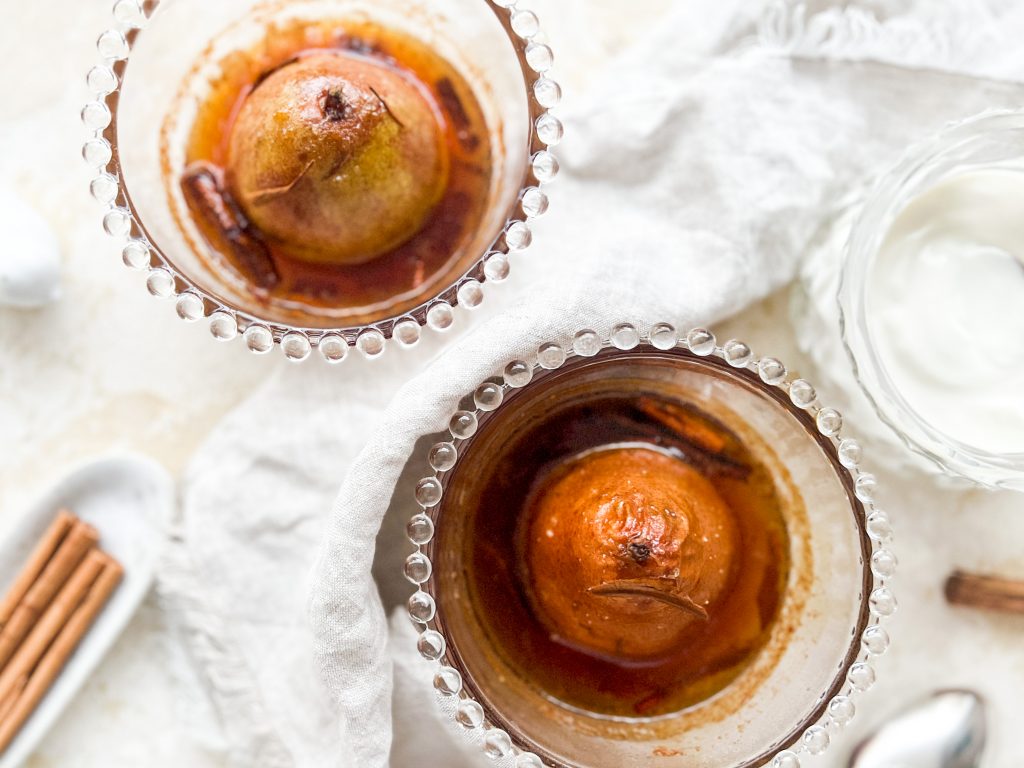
128	499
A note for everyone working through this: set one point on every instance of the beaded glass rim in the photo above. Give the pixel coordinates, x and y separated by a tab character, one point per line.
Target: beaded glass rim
856	675
192	303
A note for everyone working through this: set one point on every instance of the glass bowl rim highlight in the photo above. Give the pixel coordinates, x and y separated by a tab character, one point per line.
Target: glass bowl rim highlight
769	375
193	303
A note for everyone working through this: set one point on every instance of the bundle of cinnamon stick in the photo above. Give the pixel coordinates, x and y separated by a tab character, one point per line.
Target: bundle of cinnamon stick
46	612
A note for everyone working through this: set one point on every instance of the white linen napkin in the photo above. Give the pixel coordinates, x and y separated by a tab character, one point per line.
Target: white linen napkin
699	167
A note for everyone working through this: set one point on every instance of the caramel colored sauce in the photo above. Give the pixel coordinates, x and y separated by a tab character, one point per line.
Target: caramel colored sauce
662	660
401	274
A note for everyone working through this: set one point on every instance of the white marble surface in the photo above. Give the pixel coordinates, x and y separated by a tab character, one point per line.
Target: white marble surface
109	368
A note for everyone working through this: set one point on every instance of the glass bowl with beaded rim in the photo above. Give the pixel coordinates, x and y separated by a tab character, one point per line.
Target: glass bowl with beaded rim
161	60
476	600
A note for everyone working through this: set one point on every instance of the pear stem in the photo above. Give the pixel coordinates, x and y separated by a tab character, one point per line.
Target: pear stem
335	107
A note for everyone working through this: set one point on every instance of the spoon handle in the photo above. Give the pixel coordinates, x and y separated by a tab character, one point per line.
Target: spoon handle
986	592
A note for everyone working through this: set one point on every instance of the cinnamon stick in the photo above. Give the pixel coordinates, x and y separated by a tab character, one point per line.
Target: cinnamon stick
989	593
37	561
52	621
204	190
7	705
58	652
79	540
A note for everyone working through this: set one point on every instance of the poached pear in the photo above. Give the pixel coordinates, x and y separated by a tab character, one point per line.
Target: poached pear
337	157
625	548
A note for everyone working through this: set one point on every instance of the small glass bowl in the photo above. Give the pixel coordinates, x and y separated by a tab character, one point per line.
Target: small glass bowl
989	141
799	690
497	47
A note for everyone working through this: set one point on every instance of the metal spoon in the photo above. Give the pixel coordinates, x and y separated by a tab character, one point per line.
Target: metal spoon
945	730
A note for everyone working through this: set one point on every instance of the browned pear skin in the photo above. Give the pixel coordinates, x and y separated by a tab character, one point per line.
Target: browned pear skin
337	158
625	548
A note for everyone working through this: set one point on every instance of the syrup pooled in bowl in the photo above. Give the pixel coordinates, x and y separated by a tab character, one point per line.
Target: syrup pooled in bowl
338	165
650	556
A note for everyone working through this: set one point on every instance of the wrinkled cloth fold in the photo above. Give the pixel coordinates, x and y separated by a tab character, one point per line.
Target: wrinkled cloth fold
698	169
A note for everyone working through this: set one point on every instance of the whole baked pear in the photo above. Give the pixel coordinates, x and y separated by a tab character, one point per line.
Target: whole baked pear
625	548
338	157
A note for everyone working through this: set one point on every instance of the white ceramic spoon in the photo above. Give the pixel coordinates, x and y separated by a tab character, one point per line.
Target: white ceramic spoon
128	499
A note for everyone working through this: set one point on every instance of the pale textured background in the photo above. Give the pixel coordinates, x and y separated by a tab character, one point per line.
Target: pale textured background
109	368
